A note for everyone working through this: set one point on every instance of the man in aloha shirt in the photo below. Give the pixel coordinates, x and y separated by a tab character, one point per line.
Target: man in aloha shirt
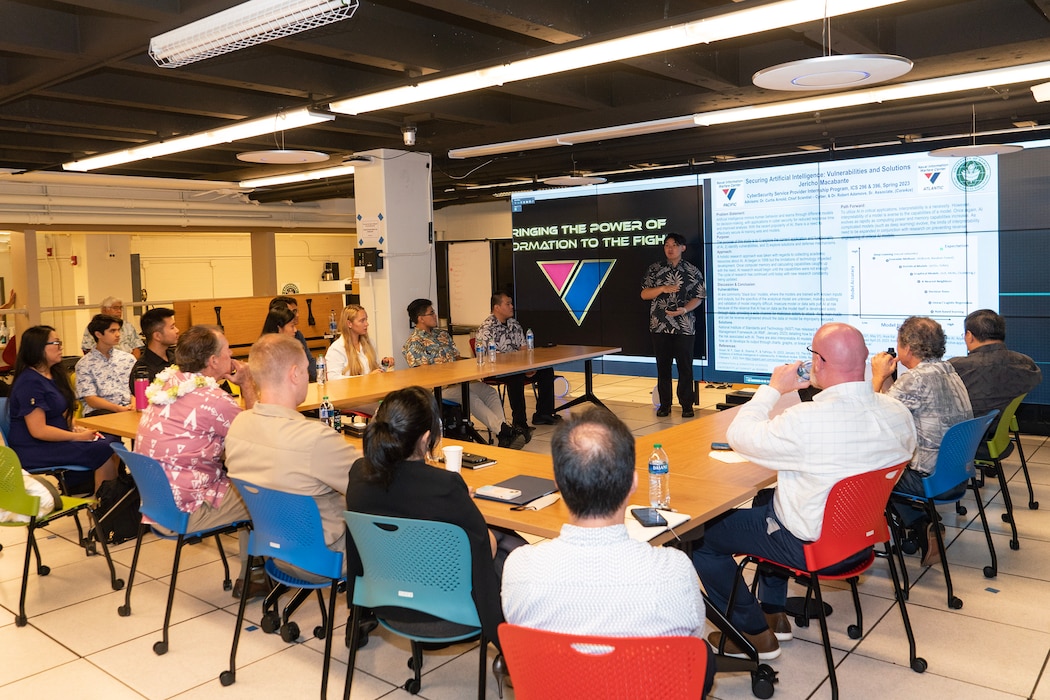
102	374
185	425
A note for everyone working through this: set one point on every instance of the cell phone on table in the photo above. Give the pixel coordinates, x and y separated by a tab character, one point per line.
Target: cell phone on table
649	517
500	492
720	446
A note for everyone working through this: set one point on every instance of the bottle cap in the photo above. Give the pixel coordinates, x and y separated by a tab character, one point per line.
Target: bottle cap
657	446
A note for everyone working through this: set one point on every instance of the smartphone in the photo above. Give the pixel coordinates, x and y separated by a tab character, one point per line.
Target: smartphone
500	492
720	446
649	517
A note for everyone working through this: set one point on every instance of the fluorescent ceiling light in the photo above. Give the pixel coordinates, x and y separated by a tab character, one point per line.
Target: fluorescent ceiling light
241	130
729	25
1041	93
920	88
247	24
304	176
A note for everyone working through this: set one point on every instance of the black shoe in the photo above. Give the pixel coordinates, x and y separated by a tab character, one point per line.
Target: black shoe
687	413
510	438
663	412
542	419
525	431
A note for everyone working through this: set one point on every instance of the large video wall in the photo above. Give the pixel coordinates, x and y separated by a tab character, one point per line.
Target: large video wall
867	241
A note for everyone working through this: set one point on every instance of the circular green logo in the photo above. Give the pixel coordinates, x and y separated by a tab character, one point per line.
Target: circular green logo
971	174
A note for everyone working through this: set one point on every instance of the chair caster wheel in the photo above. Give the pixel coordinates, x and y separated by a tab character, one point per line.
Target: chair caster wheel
961	510
124	610
1033	505
160	648
44	570
227	678
1015	545
289	632
853	631
801	621
411	664
762	681
918	665
319	632
227	585
412	686
118	584
1006	517
270	622
21	620
909	546
990	572
955	603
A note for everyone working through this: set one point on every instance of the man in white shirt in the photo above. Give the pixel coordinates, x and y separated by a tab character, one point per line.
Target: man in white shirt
130	341
594	579
846	430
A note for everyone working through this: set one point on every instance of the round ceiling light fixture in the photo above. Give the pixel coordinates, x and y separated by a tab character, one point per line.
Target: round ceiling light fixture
832	72
574	180
283	156
979	149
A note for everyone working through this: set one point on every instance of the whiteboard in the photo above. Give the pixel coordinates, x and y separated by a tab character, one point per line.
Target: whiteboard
469	282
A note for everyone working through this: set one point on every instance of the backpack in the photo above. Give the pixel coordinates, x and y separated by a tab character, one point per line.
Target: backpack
117	511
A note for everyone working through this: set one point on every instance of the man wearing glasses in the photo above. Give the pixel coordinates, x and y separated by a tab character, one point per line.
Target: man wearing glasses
130	339
846	430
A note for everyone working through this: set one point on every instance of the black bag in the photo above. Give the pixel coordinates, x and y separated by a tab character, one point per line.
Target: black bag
117	511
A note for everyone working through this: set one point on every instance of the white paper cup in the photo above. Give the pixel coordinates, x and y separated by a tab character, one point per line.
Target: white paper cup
453	457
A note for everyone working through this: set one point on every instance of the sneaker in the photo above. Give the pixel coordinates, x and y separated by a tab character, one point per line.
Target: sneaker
780	623
525	431
931	555
510	438
764	642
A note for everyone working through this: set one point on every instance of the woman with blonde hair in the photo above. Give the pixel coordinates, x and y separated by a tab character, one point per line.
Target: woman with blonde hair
352	353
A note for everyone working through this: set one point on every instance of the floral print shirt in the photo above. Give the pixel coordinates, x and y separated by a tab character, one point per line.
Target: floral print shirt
691	286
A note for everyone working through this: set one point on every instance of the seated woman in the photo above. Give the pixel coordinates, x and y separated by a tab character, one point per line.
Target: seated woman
393	479
352	353
280	320
41	409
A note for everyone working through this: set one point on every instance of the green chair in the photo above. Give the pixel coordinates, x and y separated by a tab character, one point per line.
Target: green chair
1015	437
999	447
13	498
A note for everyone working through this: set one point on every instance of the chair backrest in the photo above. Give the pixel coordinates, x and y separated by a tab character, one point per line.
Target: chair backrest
999	443
854	517
5	418
158	503
9	355
421	565
13	496
955	456
287	526
552	666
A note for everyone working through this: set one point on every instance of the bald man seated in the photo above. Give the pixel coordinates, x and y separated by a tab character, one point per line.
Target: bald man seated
846	430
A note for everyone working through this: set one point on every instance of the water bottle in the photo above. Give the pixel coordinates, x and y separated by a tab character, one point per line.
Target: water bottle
141	382
322	370
333	327
492	350
326	411
530	340
659	478
3	333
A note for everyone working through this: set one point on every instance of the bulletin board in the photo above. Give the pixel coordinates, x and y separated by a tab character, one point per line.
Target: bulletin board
469	282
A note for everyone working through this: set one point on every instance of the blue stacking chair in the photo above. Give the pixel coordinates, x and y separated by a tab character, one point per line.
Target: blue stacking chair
417	565
158	504
953	471
13	498
287	527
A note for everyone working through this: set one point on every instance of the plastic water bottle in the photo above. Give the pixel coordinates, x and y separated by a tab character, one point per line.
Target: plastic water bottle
659	478
333	327
326	411
322	370
492	350
530	340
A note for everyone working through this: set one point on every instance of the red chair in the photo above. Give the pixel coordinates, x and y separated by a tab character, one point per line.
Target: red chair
854	520
553	666
8	356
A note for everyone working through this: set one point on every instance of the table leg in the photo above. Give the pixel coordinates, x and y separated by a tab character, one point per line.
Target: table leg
588	389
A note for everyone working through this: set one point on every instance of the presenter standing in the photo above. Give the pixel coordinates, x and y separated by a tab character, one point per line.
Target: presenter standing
674	290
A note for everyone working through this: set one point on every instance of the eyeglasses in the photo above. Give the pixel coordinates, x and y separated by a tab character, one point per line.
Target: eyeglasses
53	342
431	313
814	352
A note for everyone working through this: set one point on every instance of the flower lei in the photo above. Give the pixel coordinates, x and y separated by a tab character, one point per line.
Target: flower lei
160	395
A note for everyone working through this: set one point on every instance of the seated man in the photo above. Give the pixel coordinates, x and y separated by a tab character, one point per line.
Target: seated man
503	329
129	336
846	430
103	373
430	345
937	399
184	428
993	374
275	446
594	579
161	334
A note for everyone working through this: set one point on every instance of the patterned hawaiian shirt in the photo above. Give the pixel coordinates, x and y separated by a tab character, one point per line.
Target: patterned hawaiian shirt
104	377
691	286
936	396
429	348
130	339
509	336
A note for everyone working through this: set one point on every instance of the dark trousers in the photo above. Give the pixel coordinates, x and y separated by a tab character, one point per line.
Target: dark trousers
516	394
679	348
911	483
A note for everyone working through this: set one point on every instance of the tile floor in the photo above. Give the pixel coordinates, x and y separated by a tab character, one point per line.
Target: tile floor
996	646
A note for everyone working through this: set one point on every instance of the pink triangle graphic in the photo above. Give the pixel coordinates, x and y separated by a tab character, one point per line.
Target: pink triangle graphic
558	273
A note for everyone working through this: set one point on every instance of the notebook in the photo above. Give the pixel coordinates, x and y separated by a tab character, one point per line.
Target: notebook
531	487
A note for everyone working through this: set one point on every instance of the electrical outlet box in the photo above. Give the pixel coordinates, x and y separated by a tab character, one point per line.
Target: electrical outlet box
369	259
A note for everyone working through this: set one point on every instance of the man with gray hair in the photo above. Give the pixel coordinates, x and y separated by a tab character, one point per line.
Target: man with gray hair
937	399
130	339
